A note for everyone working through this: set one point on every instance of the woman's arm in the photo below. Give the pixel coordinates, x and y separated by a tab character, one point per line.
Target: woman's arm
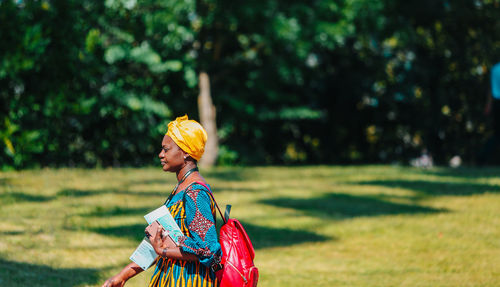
119	279
202	240
176	253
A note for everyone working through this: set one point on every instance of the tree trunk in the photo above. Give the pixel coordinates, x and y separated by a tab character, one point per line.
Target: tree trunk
207	119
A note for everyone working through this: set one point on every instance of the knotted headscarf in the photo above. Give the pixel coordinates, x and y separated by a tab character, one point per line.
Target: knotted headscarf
189	135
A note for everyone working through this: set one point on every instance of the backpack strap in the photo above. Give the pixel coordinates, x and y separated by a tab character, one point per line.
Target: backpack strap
212	196
226	213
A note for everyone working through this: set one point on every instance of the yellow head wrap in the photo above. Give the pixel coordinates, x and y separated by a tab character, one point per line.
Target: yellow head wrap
189	135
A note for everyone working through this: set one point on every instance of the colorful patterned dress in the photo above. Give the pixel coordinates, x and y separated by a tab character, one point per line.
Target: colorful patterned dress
194	211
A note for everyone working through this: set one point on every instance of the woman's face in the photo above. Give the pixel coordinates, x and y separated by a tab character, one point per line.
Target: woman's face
171	155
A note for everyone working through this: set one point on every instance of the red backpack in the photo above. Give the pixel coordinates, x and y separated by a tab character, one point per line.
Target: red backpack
238	268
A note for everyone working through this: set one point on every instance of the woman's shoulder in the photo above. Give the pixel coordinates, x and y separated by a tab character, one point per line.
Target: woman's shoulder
198	188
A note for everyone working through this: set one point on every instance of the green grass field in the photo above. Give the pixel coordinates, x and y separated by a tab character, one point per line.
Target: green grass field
311	226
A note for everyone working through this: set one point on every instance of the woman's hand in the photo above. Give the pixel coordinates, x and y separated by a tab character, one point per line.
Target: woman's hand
161	242
158	241
119	279
115	281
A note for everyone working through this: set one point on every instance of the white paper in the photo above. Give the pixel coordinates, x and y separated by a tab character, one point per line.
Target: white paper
144	255
157	213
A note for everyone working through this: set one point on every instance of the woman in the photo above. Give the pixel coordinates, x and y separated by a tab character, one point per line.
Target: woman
193	261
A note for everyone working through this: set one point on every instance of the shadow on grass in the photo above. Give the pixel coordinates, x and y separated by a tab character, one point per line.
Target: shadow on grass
9	197
436	187
7	233
4	181
466	172
71	192
15	274
223	189
116	211
233	174
131	231
262	237
341	206
265	237
91	192
16	197
82	193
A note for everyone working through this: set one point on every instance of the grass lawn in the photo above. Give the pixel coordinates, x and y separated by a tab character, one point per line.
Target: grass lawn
311	226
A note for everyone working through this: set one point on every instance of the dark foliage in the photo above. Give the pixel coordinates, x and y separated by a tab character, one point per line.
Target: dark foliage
93	83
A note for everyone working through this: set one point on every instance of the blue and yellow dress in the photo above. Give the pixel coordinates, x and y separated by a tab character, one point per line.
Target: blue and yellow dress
194	211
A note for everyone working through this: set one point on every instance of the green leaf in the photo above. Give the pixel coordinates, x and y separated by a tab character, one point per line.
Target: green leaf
114	53
92	40
146	55
190	78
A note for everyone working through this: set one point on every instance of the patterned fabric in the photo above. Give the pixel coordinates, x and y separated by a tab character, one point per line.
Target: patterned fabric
194	211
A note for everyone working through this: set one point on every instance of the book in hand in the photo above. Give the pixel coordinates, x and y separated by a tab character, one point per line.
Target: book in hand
144	255
165	219
152	229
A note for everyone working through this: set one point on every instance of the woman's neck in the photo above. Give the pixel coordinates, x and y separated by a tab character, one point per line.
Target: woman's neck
187	167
